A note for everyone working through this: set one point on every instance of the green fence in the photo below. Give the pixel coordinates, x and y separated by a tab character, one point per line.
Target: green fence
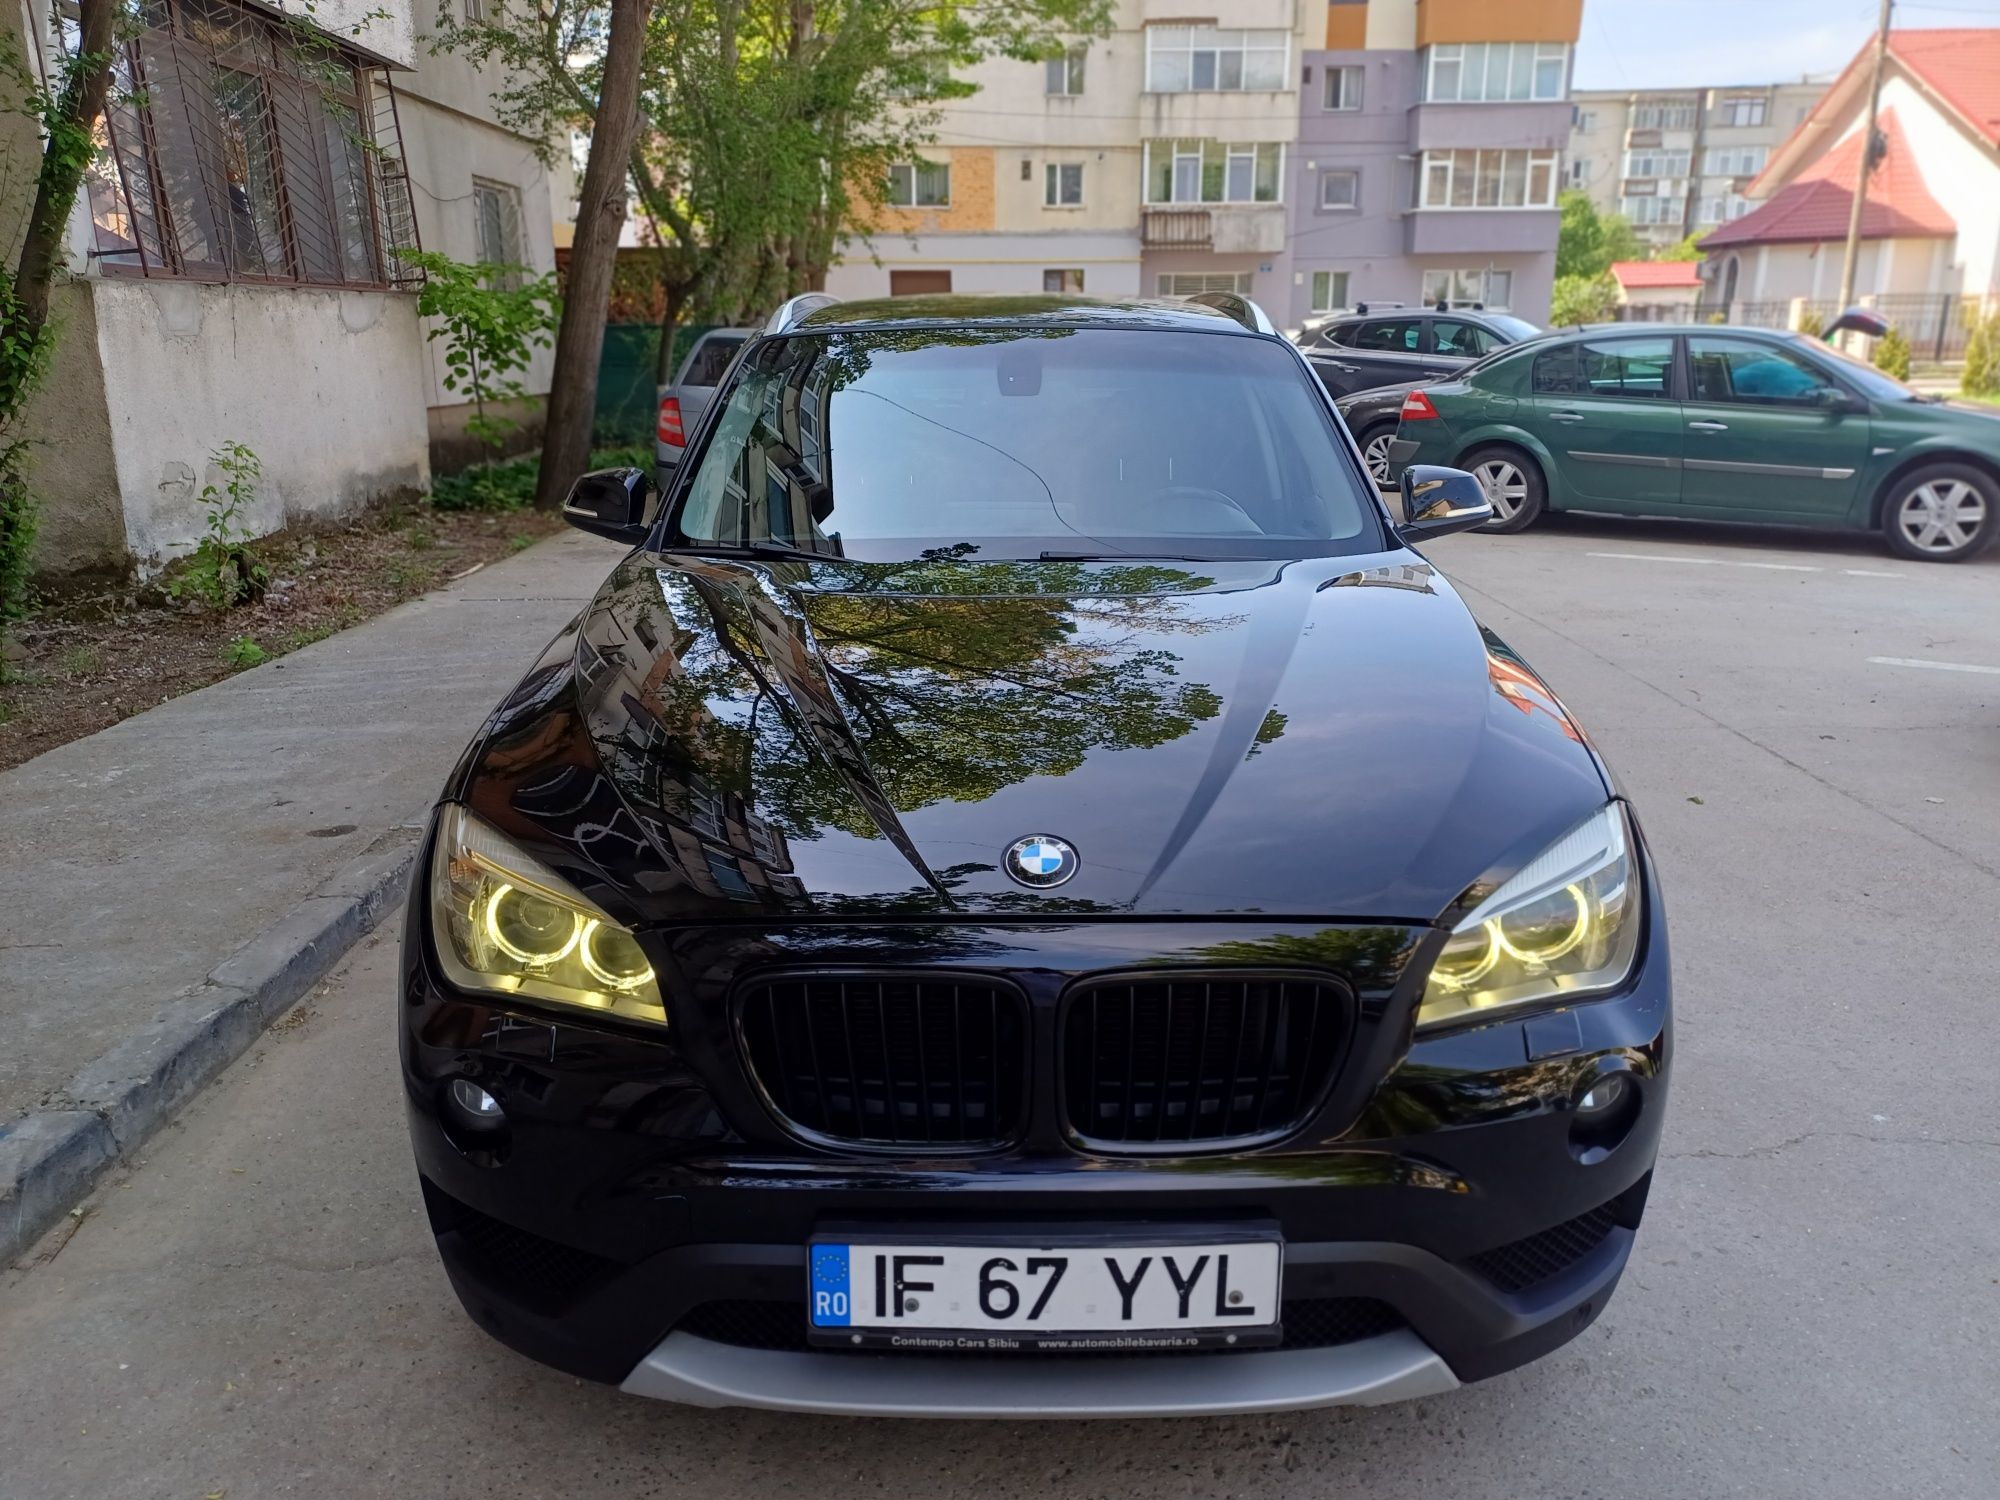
627	395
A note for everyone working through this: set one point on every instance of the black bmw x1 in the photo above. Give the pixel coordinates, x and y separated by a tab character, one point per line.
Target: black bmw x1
1024	895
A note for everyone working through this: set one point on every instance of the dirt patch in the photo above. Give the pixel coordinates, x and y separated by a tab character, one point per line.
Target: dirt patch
94	660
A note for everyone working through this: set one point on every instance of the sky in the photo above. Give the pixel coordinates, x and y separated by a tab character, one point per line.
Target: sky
1649	44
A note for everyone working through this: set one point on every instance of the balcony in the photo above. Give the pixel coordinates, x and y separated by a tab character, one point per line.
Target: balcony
1481	231
1175	229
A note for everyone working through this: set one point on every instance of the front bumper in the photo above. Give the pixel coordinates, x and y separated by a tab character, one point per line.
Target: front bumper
643	1222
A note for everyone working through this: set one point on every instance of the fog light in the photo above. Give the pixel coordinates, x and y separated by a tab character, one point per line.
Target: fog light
473	1107
1604	1098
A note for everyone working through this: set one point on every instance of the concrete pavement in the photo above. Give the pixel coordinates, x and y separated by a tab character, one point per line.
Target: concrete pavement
141	859
1813	1305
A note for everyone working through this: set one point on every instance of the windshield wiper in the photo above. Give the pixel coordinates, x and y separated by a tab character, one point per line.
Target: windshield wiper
1127	557
751	549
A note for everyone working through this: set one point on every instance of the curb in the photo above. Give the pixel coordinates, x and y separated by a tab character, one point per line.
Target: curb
51	1159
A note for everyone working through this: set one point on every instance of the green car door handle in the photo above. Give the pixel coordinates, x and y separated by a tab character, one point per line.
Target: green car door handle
1565	416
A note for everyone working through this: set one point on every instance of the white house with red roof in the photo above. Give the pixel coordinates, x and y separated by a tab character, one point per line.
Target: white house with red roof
1658	291
1931	224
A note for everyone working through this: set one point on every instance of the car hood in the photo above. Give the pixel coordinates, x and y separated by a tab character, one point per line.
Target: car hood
1331	737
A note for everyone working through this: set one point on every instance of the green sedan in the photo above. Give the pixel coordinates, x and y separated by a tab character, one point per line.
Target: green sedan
1712	423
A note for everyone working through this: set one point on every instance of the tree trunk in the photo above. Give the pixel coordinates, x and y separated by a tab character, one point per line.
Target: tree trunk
670	320
593	257
64	157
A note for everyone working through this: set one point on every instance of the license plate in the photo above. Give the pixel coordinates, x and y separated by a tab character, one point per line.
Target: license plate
1038	1296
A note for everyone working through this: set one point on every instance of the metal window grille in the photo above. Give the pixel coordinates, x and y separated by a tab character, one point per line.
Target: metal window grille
240	148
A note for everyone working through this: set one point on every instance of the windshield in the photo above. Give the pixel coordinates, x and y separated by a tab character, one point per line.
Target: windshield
1514	328
885	444
1872	382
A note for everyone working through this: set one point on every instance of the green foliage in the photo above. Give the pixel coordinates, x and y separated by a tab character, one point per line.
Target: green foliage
224	571
1687	249
1811	323
1981	376
1892	354
1588	241
510	486
1583	299
495	317
245	652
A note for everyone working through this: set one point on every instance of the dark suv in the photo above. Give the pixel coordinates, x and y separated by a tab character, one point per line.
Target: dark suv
1013	901
1387	344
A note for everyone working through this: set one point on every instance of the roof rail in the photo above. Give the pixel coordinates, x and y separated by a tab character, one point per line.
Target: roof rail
1237	306
793	309
1365	307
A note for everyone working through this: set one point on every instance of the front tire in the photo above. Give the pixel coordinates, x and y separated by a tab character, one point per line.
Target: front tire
1514	486
1375	443
1941	513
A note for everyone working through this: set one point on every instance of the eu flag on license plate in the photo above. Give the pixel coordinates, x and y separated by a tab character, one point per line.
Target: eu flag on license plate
830	1306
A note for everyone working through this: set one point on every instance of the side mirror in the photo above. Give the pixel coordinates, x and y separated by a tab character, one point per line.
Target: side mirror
1438	501
611	502
1862	320
1832	398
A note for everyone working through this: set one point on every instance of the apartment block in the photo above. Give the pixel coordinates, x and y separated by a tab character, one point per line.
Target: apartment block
1310	154
1151	161
1430	154
1680	161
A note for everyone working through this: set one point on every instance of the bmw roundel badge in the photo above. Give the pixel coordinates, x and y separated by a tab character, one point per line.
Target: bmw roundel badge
1040	861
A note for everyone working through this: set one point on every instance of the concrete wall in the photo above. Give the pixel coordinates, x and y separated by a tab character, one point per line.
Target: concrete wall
327	387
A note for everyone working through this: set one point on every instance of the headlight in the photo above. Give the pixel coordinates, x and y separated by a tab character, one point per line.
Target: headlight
506	924
1565	927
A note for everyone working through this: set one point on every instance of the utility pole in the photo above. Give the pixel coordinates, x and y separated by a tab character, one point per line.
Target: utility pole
1853	254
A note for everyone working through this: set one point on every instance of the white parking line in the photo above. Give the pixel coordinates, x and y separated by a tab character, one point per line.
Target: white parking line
1868	573
1935	666
1706	562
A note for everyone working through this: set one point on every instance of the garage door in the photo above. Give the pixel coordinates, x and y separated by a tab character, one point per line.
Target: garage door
918	283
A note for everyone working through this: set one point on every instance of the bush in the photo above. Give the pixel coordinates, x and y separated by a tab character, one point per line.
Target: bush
1583	299
1982	359
498	488
1892	354
224	570
1811	324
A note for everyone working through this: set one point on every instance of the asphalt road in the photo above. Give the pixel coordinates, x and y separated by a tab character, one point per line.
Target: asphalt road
1813	1309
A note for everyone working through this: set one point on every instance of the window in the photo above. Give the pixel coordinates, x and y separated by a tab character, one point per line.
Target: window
1339	189
1386	335
475	10
1656	209
1749	110
919	283
1488	179
1187	283
1622	369
1343	88
1196	171
1736	161
1489	72
496	208
1664	114
710	360
1062	281
923	184
1329	290
1065	73
1582	121
1009	447
1656	163
1202	59
1462	340
1494	289
1062	184
1752	374
1724	207
234	156
1579	172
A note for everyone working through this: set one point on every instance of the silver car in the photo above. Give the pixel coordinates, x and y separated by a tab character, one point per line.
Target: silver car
683	402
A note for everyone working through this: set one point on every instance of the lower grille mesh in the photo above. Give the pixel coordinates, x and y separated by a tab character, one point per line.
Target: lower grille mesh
538	1272
1525	1263
1310	1323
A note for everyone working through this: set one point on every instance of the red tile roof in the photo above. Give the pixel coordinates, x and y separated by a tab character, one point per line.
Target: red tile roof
1963	66
1816	204
1645	273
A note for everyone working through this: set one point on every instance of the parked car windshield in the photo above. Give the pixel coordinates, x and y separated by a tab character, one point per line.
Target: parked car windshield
1871	381
886	444
1514	328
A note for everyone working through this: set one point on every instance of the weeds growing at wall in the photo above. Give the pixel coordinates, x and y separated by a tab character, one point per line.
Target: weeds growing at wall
224	570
